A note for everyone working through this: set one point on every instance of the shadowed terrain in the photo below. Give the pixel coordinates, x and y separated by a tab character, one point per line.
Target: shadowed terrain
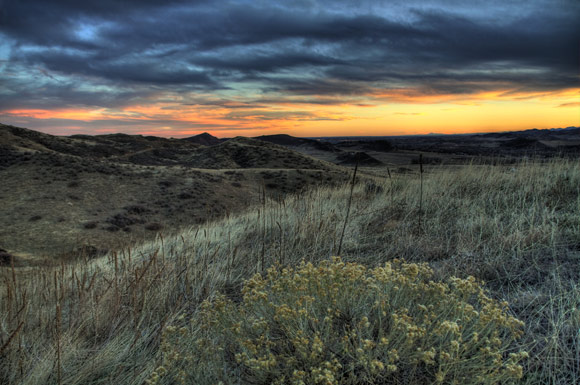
62	195
65	195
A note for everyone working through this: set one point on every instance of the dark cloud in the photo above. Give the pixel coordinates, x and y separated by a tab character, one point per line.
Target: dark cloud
224	103
108	52
35	88
538	40
257	115
267	62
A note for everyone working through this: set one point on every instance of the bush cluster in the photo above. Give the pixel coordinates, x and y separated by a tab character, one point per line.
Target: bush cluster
341	323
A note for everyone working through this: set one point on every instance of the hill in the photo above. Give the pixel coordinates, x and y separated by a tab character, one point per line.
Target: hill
359	157
243	152
204	139
513	227
342	153
533	142
60	195
135	149
292	141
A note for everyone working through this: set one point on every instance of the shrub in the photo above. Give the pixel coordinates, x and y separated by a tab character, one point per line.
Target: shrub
341	323
185	195
91	225
154	226
136	209
5	258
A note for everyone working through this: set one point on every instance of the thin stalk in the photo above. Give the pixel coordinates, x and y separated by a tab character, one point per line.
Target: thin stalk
420	188
263	226
281	243
58	358
391	181
11	337
348	207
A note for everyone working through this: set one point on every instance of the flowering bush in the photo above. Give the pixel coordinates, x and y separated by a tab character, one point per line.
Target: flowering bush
341	323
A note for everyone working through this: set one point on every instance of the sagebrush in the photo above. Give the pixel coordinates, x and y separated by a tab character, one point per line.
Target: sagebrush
341	323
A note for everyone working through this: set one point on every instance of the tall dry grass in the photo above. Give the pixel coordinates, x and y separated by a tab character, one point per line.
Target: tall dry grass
516	227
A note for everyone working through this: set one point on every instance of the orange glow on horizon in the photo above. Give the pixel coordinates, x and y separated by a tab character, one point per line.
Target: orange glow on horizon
72	114
382	112
411	95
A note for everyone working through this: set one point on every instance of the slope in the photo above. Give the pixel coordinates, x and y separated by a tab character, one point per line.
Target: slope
90	194
109	314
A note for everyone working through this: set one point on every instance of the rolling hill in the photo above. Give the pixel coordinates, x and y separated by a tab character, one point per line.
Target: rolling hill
62	195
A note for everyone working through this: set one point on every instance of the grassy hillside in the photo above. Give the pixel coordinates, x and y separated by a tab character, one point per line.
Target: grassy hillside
59	195
517	228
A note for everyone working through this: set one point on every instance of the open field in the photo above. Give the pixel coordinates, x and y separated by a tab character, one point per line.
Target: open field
517	227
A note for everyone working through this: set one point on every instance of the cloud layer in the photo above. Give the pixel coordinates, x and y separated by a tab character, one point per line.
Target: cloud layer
243	57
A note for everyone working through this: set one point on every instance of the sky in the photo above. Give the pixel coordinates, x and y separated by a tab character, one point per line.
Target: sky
306	68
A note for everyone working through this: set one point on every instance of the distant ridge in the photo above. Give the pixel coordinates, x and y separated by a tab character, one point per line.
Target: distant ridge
242	152
535	133
359	157
288	140
136	149
205	139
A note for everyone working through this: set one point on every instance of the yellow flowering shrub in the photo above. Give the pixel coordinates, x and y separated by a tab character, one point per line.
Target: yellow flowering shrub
341	323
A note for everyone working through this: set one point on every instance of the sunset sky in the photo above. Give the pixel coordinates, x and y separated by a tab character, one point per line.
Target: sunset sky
305	68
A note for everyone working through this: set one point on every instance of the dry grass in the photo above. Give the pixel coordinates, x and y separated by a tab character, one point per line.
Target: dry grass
516	227
43	220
